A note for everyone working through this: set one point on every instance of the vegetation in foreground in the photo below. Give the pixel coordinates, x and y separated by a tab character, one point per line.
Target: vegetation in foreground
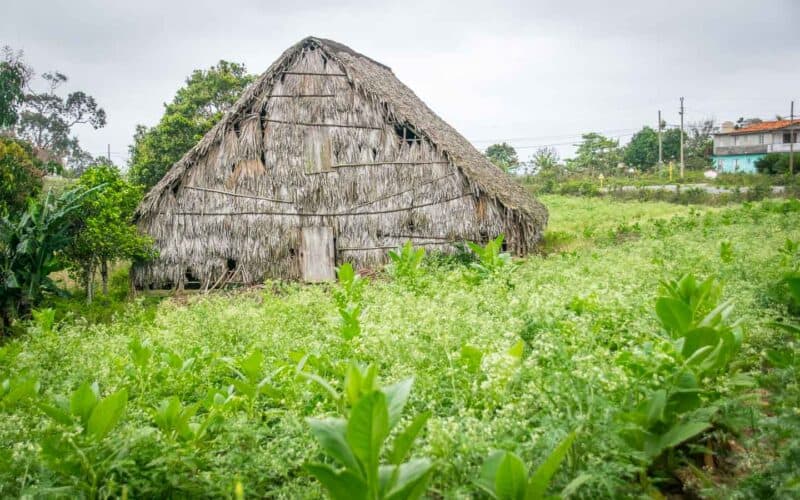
651	351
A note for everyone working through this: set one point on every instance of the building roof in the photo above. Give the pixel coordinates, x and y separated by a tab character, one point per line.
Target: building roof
378	81
762	127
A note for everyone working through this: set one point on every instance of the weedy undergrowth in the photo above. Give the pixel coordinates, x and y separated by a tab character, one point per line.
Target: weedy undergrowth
356	443
505	477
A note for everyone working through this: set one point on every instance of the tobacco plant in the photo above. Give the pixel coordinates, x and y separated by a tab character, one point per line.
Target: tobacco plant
491	257
406	263
505	477
348	298
356	443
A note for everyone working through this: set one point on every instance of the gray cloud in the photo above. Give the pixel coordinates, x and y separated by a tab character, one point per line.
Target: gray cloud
536	72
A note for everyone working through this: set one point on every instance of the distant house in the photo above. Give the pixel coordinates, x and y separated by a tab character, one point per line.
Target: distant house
738	149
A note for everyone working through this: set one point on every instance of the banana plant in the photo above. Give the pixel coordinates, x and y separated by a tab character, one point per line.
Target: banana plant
504	476
356	443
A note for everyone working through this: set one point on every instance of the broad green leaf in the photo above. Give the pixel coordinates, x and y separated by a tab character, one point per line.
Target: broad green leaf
405	439
412	480
510	478
655	407
83	401
698	338
331	434
367	428
675	316
489	471
253	365
540	480
471	357
106	414
58	414
396	398
681	432
342	485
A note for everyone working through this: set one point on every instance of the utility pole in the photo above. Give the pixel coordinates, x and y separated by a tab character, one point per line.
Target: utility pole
109	154
792	136
682	163
660	149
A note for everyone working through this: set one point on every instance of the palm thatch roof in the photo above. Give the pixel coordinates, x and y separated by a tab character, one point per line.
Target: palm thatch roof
379	82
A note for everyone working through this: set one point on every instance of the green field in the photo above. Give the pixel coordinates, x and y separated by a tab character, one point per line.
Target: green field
592	346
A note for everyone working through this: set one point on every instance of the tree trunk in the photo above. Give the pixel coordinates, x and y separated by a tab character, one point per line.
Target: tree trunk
104	275
90	284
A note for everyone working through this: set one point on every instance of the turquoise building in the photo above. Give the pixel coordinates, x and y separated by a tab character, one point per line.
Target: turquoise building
737	163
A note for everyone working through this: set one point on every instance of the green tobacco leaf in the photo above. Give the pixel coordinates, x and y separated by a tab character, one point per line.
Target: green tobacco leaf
655	407
675	316
405	439
412	480
679	433
516	350
471	357
331	434
396	398
367	428
253	366
106	414
510	478
540	480
489	471
343	485
60	415
697	338
83	401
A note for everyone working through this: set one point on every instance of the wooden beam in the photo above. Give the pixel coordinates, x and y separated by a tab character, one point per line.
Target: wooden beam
375	163
324	214
309	73
238	195
390	247
337	125
302	95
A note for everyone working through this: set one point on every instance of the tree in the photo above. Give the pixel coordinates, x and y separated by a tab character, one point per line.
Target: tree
20	175
642	151
196	108
773	164
14	76
105	232
671	143
545	159
47	120
504	156
596	153
700	143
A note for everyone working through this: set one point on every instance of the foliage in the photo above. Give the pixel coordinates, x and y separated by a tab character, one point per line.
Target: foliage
105	231
47	119
29	242
14	75
546	160
406	262
504	156
642	151
196	107
356	443
596	154
774	164
573	345
491	257
504	475
348	300
20	177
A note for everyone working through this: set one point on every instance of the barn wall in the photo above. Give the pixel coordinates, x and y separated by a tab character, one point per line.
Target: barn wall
240	206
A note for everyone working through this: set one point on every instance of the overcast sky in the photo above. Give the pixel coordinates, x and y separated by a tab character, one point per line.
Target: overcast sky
530	72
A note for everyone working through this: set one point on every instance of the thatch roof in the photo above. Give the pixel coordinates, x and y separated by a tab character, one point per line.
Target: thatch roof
377	81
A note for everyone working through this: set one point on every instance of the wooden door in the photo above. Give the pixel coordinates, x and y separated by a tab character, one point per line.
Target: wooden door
317	254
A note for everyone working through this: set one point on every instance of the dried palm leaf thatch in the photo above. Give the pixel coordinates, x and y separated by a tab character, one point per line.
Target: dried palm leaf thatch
325	137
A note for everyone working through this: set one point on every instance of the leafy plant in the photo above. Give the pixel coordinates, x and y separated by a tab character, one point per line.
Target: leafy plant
491	257
505	477
177	421
348	300
15	389
356	443
406	262
726	251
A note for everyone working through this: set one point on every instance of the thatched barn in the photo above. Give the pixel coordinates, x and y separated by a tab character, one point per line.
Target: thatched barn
326	158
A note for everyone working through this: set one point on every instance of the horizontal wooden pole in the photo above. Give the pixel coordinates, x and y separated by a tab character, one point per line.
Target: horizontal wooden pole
324	214
238	195
337	125
394	195
309	73
377	163
302	95
390	247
